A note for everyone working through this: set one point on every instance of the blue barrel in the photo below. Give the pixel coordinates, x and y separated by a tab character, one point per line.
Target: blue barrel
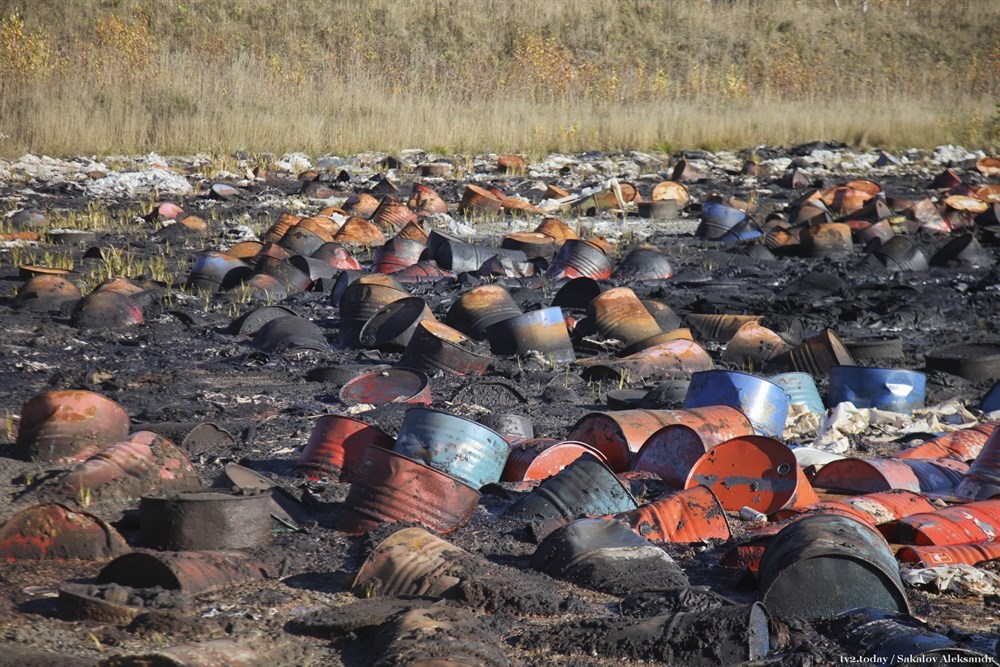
764	403
717	219
883	388
457	446
991	401
801	390
747	230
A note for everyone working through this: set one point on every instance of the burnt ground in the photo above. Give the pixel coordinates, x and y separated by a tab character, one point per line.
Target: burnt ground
183	365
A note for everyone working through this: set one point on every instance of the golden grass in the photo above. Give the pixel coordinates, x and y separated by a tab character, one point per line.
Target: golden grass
473	75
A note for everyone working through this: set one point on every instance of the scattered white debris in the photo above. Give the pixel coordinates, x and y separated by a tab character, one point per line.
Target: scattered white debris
139	183
960	579
294	163
949	154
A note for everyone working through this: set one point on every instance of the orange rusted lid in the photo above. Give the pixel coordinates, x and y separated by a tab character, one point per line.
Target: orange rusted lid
752	471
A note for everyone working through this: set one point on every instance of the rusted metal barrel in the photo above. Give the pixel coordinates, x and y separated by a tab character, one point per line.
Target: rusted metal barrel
54	531
643	264
673	450
898	254
206	520
823	565
409	562
577	258
106	310
962	445
753	345
70	425
688	516
963	250
543	331
337	256
426	270
619	434
315	269
426	201
413	231
301	241
336	447
983	478
144	463
618	313
663	209
391	385
397	253
721	327
289	334
356	232
460	447
541	458
391	328
877	637
46	292
360	301
480	308
816	355
292	278
606	556
586	486
187	571
532	244
435	346
825	239
214	271
391	488
753	471
285	221
392	214
478	201
320	225
874	508
557	229
962	524
764	403
361	205
883	474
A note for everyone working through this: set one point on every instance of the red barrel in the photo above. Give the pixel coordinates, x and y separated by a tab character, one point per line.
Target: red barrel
337	446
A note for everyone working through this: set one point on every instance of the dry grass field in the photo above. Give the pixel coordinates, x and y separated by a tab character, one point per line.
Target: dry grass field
131	76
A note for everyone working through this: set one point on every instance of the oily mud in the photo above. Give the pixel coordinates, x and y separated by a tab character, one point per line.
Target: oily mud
172	357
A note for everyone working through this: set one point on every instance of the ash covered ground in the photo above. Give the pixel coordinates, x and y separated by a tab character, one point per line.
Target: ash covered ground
183	365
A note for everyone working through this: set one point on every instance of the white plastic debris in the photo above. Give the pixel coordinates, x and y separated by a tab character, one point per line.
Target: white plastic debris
294	163
801	421
810	456
139	183
949	154
960	579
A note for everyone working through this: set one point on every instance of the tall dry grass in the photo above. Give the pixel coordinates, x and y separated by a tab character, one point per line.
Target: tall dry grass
467	75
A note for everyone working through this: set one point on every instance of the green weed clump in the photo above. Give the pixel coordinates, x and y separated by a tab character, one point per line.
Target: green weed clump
473	75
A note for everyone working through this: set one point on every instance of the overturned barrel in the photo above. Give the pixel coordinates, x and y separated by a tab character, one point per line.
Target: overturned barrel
826	564
460	447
